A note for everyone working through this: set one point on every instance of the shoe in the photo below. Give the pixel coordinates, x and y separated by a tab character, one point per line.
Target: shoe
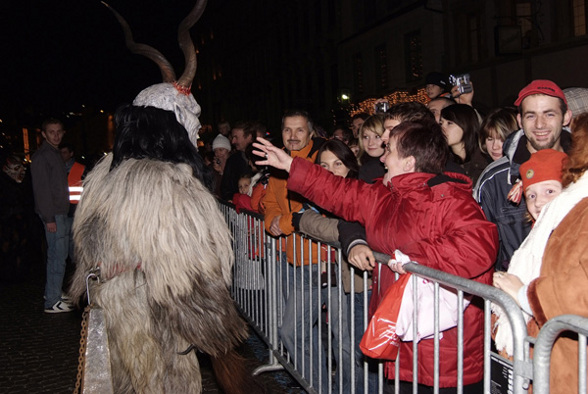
60	307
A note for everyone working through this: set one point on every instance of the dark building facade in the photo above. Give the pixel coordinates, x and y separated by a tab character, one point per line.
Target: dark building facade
258	58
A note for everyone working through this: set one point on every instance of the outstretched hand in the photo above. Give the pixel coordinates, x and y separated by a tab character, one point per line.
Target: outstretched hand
271	155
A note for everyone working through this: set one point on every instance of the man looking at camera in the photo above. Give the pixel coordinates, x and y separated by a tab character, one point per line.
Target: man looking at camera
543	115
297	137
52	205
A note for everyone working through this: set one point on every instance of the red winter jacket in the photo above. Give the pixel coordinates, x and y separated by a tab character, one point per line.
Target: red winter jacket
440	226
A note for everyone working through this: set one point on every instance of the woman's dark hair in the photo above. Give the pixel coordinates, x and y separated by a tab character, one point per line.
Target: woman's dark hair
153	133
465	117
425	142
343	153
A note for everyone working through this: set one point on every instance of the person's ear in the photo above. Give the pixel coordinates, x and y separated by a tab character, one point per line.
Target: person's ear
519	121
567	118
409	164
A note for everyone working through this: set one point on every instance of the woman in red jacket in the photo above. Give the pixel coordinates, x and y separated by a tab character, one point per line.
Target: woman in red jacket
426	214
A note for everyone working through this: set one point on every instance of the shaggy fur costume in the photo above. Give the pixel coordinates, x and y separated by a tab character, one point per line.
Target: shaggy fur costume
165	257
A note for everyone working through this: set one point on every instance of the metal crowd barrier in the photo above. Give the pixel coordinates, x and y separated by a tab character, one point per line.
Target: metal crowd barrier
313	331
544	343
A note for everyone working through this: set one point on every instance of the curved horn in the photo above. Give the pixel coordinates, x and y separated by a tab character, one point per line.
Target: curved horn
167	71
187	45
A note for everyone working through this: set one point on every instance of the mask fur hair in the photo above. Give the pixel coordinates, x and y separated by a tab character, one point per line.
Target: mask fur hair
158	215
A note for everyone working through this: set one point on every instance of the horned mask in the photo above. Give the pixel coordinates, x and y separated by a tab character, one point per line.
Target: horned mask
171	95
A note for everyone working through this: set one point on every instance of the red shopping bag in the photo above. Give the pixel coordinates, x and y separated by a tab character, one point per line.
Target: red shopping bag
380	340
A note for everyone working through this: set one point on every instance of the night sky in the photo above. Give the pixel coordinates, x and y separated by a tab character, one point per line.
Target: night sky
60	54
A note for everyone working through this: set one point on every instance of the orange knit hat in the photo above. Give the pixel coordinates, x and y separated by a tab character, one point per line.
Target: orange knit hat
544	165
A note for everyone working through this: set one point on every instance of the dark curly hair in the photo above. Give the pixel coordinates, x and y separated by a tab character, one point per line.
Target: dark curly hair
153	133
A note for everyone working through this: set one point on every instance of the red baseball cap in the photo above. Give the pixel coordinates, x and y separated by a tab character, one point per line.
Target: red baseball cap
541	86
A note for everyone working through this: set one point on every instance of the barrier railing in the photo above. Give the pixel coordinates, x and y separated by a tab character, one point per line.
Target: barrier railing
543	345
312	328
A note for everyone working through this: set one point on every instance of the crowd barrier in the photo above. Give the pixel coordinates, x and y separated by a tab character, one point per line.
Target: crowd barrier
312	329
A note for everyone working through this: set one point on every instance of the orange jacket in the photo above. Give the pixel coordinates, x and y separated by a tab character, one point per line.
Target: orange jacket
257	198
74	181
280	202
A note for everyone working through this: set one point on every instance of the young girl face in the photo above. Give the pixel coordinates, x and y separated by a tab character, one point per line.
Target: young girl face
372	143
493	145
452	131
539	194
331	163
244	184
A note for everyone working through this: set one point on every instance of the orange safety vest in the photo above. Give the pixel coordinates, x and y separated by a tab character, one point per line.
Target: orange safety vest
74	181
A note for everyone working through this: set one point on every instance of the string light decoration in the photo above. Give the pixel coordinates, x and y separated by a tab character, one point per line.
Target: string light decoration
367	106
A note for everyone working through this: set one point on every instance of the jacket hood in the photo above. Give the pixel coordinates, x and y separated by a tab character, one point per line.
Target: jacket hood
510	144
437	182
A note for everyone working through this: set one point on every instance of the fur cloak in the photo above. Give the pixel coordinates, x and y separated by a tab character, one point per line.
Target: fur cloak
165	259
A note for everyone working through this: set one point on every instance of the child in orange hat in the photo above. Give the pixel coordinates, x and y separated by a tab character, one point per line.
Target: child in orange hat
541	181
541	177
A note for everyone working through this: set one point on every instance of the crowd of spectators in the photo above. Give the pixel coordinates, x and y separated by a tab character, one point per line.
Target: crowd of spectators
471	158
487	195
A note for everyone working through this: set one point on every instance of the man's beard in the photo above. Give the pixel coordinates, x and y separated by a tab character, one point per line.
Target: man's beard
543	145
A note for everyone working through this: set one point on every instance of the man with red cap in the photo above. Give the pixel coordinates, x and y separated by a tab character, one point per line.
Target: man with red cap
543	117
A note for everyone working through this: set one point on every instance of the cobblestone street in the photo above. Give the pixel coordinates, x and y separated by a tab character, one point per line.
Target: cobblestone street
39	351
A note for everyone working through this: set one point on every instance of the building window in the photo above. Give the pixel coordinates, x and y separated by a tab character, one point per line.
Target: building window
381	62
525	21
414	56
579	10
358	75
473	33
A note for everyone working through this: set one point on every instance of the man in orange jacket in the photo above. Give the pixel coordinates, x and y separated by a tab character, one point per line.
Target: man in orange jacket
280	204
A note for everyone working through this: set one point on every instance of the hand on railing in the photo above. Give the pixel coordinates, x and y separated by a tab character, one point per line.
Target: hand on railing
362	257
275	229
509	283
397	262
